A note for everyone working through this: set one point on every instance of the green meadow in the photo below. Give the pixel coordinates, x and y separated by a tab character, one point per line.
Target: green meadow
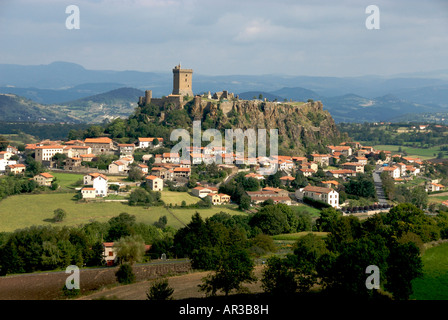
21	211
434	283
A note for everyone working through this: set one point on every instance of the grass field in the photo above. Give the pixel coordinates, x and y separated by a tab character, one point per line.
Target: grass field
302	207
297	235
177	197
66	180
422	153
434	284
21	211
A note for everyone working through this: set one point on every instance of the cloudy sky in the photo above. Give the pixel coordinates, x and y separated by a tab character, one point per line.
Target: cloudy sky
293	37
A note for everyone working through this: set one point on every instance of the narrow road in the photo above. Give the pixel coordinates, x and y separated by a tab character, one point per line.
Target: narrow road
379	187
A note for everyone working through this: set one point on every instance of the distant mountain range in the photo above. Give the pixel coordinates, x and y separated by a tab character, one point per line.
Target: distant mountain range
71	89
94	109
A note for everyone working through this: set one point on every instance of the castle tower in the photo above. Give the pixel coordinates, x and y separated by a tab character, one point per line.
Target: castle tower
182	81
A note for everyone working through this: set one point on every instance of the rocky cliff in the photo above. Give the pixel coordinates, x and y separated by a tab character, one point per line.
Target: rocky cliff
302	127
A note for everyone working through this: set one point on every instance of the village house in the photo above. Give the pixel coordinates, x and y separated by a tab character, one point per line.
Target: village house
355	166
12	150
286	180
99	183
393	171
15	169
117	167
170	157
434	186
76	151
44	179
330	183
182	172
72	163
278	191
126	148
163	173
4	163
309	165
143	168
110	254
87	157
362	160
255	176
341	173
285	164
6	155
202	192
344	150
219	198
322	159
413	171
46	153
327	195
307	172
154	183
258	197
88	193
102	145
144	143
74	143
196	158
299	160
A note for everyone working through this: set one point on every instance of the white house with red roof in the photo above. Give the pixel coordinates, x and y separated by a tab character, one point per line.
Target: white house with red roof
98	181
327	195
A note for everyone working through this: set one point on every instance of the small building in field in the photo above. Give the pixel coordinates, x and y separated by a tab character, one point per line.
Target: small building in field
44	179
88	193
110	253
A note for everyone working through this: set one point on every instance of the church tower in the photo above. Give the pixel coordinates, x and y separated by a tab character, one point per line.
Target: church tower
182	81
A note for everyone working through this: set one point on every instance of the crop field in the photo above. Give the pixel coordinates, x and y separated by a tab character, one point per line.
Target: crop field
434	284
21	211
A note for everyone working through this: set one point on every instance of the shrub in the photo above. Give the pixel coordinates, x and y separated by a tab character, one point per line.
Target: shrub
160	290
125	275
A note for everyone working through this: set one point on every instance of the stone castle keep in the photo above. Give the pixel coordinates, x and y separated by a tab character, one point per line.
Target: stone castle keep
182	87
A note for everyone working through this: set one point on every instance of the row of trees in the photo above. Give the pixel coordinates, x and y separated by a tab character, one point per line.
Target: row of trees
51	247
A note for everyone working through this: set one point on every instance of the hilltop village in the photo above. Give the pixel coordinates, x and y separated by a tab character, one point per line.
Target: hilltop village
314	178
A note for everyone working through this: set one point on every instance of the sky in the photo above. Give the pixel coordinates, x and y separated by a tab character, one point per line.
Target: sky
231	37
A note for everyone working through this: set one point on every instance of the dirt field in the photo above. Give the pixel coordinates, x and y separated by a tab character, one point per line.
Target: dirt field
185	286
48	286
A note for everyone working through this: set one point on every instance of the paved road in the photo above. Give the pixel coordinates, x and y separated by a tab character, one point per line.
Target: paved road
379	187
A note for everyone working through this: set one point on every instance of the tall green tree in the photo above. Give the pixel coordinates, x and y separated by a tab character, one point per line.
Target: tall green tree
233	268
